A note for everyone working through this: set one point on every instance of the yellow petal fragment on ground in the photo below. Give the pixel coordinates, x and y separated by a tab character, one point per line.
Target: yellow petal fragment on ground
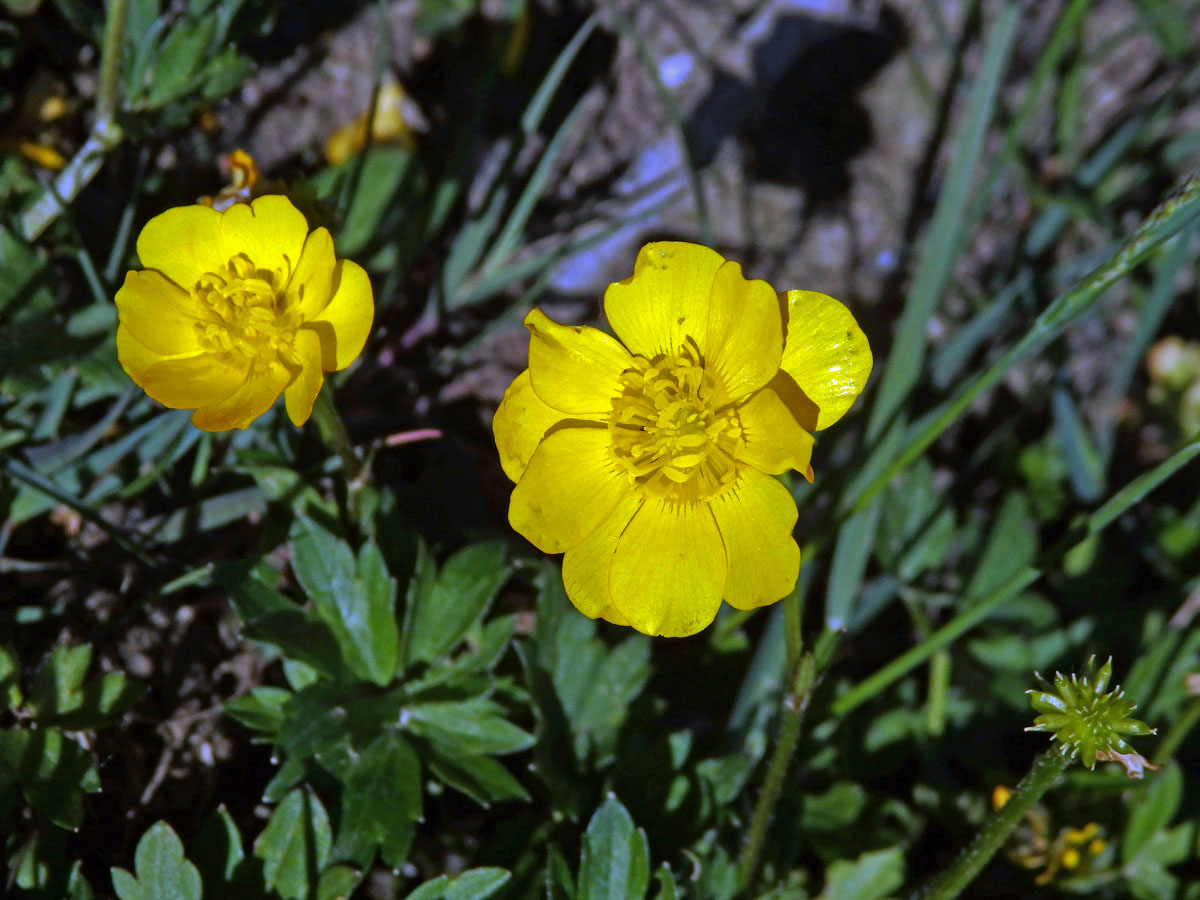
574	368
270	232
826	352
250	401
569	488
586	568
665	300
775	440
300	395
192	381
344	324
520	423
160	314
313	279
756	519
745	331
183	243
668	573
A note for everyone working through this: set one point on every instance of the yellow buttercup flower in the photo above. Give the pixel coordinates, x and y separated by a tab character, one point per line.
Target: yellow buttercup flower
648	460
235	308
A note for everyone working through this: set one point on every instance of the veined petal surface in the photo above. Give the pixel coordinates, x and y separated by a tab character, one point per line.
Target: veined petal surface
345	322
300	395
775	439
666	299
256	395
520	423
270	232
182	243
192	381
756	519
312	280
569	488
586	568
826	352
572	367
745	331
159	313
668	571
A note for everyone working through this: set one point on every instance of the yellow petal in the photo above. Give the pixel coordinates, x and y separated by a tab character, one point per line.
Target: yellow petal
250	401
134	356
300	395
745	331
183	243
668	572
569	487
193	381
826	352
665	300
313	278
775	438
574	368
344	324
270	232
756	518
521	422
586	568
158	313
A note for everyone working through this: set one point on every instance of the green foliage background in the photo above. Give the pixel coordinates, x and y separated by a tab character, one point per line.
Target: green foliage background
426	715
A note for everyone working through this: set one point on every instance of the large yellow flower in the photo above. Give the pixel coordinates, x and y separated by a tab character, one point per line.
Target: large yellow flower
234	308
648	460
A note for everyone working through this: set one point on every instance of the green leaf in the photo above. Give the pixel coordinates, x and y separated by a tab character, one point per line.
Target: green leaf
294	846
1153	808
473	884
355	598
338	883
381	799
182	53
615	859
301	637
666	884
10	676
260	710
53	771
482	778
468	728
1012	545
442	611
870	877
219	855
163	873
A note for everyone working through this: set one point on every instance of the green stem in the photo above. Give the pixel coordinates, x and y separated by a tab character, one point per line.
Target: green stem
110	63
1185	723
952	882
804	676
333	432
104	136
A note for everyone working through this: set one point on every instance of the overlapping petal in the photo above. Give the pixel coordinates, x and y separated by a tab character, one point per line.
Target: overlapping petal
775	438
668	571
520	423
160	314
312	280
756	518
270	232
826	352
745	331
568	489
192	381
345	322
256	395
586	568
666	299
182	243
574	368
300	395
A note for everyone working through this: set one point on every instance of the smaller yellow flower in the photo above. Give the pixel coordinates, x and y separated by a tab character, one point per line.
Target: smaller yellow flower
235	308
397	119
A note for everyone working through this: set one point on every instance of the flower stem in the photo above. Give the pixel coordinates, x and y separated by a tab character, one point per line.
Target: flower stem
1046	768
333	432
803	669
110	63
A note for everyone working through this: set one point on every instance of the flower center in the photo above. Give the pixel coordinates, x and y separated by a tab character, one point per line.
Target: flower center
248	313
672	429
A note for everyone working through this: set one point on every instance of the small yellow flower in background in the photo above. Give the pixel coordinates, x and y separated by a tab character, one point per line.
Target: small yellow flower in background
397	119
649	460
1073	850
245	183
235	308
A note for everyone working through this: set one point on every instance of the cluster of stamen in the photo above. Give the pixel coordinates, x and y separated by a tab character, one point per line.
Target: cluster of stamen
672	429
247	313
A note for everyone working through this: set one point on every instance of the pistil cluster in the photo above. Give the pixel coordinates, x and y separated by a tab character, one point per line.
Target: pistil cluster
673	429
